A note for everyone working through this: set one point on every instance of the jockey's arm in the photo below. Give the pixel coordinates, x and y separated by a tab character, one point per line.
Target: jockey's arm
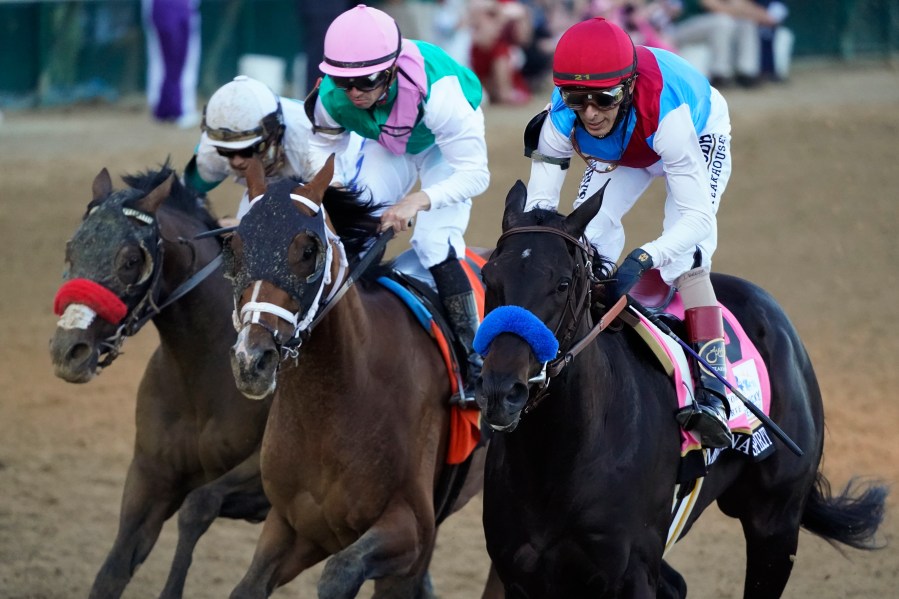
206	169
549	165
689	188
459	133
322	144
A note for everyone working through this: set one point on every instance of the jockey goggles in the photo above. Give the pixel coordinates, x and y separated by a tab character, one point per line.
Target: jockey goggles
577	98
363	83
247	152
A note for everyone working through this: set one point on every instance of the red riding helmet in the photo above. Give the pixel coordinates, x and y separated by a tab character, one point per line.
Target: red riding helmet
594	53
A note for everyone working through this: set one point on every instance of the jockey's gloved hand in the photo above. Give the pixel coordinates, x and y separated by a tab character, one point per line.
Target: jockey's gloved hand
630	271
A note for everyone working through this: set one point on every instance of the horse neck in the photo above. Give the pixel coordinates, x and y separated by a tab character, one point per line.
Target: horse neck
195	320
589	404
337	346
335	400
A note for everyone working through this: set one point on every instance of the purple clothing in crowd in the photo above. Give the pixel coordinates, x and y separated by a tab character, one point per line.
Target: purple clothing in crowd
173	57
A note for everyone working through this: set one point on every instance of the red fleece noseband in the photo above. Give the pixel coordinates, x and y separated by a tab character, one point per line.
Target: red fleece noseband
98	298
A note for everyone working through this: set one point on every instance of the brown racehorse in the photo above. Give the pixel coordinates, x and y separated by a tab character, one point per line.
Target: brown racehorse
356	440
196	449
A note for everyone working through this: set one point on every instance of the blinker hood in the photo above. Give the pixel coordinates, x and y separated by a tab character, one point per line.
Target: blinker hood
109	226
267	231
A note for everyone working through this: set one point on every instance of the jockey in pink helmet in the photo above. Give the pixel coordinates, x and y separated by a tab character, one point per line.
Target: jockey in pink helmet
634	114
419	113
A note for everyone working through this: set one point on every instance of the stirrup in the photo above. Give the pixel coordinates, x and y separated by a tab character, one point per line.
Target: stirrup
465	400
707	423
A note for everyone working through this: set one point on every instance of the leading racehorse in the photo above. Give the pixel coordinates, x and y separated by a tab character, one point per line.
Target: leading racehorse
196	450
579	489
355	449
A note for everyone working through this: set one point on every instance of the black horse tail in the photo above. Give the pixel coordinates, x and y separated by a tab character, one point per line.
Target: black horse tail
851	518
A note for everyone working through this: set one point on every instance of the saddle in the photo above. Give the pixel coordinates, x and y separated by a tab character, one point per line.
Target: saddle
746	371
413	283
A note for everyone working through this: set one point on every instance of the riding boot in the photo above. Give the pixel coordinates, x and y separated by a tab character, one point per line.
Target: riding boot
462	312
707	417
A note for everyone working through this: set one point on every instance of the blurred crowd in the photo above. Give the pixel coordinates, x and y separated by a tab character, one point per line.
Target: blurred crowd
509	43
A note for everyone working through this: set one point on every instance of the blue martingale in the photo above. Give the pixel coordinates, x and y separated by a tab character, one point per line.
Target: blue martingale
521	322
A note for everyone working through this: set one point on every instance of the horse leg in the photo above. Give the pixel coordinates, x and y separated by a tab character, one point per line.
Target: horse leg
236	494
493	588
671	584
771	544
279	558
387	551
145	508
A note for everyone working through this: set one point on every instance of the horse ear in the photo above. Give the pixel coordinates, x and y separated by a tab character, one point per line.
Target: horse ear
576	222
321	180
153	200
102	185
514	203
255	175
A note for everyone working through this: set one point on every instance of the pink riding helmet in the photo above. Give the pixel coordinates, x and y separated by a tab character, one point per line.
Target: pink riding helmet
361	41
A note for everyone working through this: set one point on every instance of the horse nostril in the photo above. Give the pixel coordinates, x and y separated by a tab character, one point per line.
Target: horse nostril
517	396
78	353
268	361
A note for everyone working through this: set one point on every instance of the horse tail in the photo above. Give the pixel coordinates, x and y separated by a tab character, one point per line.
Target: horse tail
851	517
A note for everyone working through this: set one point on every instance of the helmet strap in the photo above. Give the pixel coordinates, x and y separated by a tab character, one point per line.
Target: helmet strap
393	76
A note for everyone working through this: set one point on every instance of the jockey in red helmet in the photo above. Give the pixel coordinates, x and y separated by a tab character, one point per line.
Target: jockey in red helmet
635	113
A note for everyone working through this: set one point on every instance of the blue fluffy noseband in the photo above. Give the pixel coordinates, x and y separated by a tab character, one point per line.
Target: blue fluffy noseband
521	322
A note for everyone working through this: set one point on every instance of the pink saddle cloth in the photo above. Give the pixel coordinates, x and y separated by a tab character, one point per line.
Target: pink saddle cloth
746	370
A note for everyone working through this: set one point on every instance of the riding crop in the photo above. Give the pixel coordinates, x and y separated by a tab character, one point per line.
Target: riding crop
778	432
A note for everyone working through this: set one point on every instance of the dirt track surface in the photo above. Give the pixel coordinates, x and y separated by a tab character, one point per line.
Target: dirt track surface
811	214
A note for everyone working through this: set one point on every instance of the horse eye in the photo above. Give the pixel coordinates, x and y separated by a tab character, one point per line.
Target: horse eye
564	284
309	252
128	265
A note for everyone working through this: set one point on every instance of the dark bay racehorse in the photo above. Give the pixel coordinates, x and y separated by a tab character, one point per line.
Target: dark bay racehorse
197	443
358	432
578	491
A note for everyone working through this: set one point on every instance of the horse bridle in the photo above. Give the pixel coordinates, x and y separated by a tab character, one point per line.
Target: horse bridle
148	307
304	323
576	307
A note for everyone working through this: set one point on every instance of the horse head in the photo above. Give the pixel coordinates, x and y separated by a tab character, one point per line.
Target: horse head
113	265
538	282
280	259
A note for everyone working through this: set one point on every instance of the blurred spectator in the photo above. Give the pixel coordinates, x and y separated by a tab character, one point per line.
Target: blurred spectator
173	59
315	16
776	44
451	30
726	33
500	30
648	22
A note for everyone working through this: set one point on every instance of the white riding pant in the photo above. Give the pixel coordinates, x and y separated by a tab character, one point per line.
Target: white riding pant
390	178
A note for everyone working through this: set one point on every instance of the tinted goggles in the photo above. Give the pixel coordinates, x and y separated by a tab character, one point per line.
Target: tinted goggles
364	83
247	152
578	98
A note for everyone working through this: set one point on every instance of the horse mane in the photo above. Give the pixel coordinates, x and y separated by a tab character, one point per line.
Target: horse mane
181	197
353	218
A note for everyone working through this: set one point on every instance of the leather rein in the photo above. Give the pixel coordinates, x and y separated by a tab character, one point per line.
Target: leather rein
576	307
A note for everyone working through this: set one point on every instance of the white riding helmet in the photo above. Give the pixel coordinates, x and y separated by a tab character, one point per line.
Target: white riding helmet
242	113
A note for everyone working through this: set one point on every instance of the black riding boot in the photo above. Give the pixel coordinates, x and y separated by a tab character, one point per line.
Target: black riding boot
707	417
462	311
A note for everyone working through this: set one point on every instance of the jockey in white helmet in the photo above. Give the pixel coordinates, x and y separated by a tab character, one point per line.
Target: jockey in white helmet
419	113
244	118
